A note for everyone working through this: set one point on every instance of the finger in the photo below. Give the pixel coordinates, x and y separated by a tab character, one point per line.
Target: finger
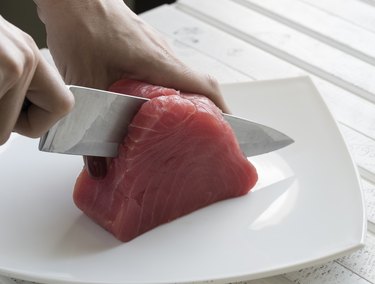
10	106
50	99
198	83
18	66
172	73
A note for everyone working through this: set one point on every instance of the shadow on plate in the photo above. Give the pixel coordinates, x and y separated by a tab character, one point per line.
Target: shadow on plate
84	238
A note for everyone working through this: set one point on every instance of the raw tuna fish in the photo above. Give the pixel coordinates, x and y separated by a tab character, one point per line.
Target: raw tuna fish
179	155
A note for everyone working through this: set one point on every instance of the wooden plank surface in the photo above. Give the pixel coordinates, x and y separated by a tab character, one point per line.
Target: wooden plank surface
357	12
319	24
284	42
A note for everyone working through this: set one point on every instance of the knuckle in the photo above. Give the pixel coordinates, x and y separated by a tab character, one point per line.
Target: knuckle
29	51
17	66
213	84
14	69
30	59
29	40
187	72
215	94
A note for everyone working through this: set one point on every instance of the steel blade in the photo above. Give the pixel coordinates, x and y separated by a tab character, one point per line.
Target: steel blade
256	139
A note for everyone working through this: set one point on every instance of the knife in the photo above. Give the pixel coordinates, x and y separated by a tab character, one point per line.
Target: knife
99	120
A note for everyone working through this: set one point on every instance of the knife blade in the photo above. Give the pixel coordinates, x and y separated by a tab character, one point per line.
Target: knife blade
99	121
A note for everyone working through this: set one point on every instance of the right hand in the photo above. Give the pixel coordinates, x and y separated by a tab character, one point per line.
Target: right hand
24	73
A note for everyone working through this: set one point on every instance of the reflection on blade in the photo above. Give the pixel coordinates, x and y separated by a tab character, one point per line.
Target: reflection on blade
95	127
255	138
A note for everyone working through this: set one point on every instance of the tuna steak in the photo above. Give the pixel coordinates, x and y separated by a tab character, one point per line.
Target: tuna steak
179	155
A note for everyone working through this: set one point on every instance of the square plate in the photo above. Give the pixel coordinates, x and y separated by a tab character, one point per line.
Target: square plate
307	208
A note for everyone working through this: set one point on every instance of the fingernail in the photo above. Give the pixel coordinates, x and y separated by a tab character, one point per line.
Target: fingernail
96	166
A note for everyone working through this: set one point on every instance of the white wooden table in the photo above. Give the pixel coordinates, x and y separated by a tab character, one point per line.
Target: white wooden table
332	41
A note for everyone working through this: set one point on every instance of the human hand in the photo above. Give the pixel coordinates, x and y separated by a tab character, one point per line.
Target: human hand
25	74
95	43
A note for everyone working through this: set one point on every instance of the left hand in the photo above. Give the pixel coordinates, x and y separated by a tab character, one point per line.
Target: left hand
95	43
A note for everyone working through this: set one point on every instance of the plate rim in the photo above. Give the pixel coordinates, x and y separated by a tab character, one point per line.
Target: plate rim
266	272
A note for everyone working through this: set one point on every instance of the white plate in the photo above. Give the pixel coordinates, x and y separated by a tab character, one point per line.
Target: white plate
307	208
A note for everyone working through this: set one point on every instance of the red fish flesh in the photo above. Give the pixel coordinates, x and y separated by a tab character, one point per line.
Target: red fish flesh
179	155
